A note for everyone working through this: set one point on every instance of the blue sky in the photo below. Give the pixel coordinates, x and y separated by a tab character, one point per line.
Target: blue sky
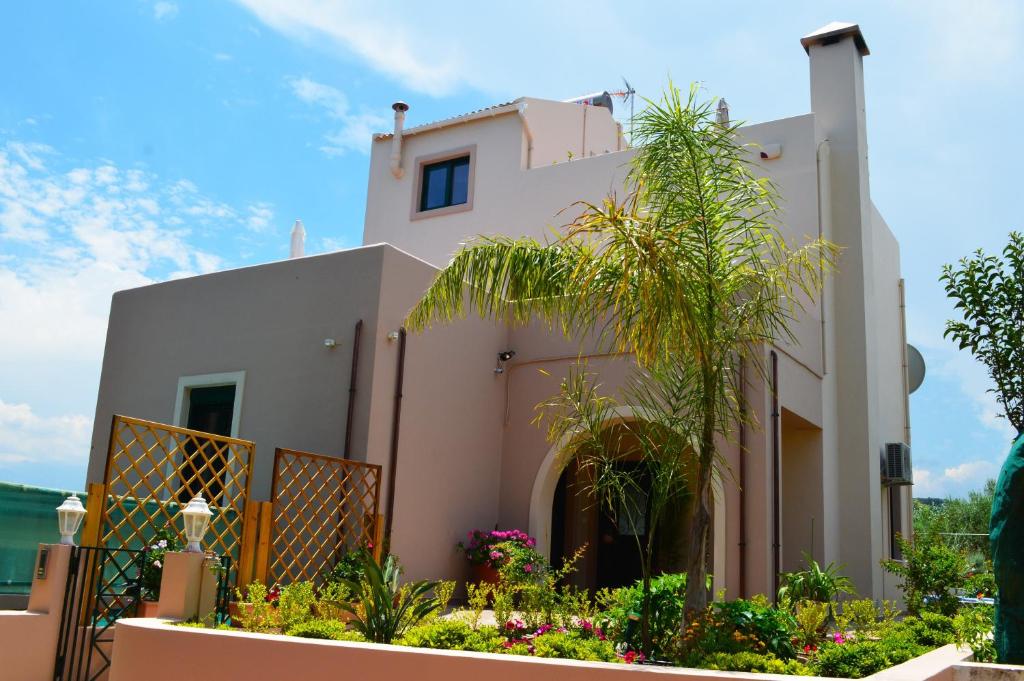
144	140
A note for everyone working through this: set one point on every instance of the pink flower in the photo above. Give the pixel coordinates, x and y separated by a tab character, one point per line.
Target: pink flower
495	555
838	637
528	567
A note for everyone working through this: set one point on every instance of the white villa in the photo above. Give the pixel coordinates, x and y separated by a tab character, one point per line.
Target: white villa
266	353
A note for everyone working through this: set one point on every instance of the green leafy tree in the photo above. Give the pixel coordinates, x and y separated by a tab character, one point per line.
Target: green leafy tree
690	269
960	523
989	293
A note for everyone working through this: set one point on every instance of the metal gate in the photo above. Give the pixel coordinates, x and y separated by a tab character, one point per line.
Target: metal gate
321	507
103	585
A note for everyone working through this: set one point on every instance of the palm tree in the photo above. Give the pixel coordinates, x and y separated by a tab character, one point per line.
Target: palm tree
689	269
661	444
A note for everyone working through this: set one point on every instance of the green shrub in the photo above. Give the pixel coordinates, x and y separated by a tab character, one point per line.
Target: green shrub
573	646
810	619
754	662
864	658
931	574
861	613
972	627
621	608
331	630
931	629
453	635
815	583
382	609
774	628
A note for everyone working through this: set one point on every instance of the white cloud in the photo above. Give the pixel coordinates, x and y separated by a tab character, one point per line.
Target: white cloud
260	215
76	235
26	437
164	10
356	129
367	32
954	481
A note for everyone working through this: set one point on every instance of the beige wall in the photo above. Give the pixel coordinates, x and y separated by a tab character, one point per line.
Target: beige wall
269	321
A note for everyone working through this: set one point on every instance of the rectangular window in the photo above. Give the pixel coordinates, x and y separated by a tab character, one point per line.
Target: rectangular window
895	521
444	184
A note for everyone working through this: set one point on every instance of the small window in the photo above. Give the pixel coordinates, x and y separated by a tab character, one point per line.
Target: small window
445	183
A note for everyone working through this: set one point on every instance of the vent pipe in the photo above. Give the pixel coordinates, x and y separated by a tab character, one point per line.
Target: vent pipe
722	112
400	108
298	240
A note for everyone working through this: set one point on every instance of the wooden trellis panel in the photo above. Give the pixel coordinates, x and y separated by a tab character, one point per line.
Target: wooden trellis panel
323	506
154	469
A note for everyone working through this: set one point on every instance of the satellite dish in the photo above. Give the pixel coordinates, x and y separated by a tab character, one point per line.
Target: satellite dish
915	368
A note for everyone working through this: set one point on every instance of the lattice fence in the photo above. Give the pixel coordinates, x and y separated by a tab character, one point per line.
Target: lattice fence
154	469
322	507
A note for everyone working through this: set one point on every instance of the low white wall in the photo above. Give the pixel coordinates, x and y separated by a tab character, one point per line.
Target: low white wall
251	657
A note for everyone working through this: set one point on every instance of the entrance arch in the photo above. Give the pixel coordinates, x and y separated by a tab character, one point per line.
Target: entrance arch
546	481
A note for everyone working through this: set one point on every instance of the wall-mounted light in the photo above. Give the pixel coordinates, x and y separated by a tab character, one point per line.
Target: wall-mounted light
330	343
393	336
503	357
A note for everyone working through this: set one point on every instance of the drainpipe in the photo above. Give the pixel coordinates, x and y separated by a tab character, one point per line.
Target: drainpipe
776	464
396	421
521	110
743	478
822	188
396	140
347	450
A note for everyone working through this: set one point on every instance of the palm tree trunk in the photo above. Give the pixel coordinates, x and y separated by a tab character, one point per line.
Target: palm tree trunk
696	589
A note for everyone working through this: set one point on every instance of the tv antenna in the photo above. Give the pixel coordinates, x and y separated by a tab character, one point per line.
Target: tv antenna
628	95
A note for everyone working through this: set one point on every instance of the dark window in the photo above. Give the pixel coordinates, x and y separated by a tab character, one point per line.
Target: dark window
445	184
210	410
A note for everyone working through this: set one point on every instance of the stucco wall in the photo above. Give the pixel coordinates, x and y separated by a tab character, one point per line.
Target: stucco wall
269	321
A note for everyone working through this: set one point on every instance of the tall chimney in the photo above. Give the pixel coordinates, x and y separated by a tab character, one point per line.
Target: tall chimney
836	53
298	240
400	108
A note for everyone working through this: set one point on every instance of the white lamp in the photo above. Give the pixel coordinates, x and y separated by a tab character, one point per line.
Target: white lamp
69	519
197	519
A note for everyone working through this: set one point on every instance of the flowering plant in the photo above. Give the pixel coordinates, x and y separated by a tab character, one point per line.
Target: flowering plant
482	546
165	539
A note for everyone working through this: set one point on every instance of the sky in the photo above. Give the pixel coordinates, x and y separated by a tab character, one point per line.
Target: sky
142	141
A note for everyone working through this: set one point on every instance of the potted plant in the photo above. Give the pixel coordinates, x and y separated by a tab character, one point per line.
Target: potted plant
488	550
152	572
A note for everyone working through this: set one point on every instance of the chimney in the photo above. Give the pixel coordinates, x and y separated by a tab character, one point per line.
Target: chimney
399	108
836	53
298	240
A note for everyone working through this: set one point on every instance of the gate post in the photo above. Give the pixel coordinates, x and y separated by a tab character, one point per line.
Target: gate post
95	507
30	637
262	563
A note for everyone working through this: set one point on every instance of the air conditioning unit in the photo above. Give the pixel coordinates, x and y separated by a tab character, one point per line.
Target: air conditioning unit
896	467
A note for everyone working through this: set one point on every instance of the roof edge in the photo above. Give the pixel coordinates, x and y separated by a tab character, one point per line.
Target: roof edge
489	112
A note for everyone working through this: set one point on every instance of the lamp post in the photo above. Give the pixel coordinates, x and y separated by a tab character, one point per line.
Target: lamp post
69	519
197	519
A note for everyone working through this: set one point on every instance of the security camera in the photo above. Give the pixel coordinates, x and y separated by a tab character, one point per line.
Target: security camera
506	355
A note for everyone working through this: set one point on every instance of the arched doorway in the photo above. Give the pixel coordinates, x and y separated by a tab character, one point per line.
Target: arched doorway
612	532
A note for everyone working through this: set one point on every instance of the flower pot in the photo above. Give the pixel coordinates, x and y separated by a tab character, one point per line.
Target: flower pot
486	574
146	608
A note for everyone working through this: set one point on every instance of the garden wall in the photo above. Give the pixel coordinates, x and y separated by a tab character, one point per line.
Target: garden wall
158	651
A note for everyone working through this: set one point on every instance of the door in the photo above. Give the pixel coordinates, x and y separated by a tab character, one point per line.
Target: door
210	410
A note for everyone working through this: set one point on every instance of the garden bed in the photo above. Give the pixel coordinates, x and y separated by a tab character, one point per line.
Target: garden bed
229	655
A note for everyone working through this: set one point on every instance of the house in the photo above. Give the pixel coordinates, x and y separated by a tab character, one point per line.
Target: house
267	352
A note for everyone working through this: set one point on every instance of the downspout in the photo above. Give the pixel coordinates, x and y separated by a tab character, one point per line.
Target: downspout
743	478
776	463
821	233
347	450
521	110
396	421
396	140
